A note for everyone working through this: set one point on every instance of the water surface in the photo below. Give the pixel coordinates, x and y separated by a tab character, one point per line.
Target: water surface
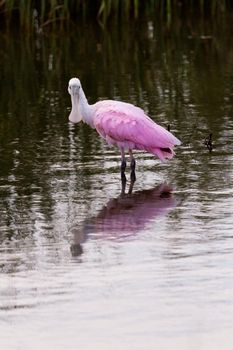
81	263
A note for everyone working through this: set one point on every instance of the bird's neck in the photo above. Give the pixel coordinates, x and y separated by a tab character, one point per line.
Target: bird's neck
85	109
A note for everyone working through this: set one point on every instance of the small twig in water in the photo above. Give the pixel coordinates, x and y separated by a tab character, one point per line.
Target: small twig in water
208	142
168	127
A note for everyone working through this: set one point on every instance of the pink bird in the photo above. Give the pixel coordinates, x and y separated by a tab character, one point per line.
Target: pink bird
123	125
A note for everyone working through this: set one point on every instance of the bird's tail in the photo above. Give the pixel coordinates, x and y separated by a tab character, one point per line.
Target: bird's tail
163	153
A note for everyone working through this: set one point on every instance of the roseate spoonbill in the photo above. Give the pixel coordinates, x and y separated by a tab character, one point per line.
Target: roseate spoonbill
123	125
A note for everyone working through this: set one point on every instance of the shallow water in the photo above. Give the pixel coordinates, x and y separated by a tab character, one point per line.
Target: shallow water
81	263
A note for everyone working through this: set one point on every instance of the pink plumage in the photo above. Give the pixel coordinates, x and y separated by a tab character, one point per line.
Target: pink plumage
126	126
123	125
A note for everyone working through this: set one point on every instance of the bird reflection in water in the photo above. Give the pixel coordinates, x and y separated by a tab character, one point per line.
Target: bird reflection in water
124	216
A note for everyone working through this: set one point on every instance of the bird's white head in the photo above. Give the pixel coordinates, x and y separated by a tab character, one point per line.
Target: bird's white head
74	88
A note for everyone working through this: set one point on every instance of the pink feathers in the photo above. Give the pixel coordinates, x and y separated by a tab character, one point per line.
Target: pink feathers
123	125
128	127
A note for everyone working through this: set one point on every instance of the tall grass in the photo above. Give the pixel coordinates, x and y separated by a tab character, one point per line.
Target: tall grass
36	14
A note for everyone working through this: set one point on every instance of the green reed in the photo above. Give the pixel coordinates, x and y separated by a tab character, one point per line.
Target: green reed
30	15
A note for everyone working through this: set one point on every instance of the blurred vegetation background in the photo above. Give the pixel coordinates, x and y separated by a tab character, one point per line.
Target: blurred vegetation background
33	16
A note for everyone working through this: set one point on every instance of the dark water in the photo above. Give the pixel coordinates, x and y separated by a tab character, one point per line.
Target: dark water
82	265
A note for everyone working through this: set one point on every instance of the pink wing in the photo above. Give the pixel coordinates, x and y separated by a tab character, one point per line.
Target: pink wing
128	127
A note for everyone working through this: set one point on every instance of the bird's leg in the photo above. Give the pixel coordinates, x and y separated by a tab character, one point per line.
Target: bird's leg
123	185
131	185
123	166
132	167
